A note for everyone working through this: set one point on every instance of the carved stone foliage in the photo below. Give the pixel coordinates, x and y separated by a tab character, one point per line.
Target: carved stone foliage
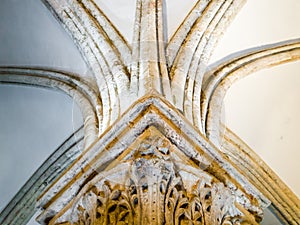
174	177
151	185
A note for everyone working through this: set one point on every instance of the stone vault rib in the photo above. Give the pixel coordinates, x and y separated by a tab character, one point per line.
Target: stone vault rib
284	201
149	70
158	77
23	206
220	79
71	84
104	49
190	49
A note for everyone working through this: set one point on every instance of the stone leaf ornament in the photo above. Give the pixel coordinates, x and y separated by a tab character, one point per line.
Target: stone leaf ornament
152	149
152	169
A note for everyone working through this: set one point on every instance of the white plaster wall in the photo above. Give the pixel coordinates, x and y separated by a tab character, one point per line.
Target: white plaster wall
33	121
263	109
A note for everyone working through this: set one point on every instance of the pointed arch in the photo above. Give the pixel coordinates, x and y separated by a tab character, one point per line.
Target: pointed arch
191	46
229	70
102	46
85	96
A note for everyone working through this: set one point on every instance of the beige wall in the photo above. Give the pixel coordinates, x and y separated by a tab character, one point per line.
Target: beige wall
264	108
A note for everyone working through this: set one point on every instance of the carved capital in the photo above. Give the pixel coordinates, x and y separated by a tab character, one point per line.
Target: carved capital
152	185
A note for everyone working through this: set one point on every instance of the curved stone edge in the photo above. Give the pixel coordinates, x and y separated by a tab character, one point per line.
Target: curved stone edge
285	203
103	48
196	39
231	69
23	206
84	95
151	110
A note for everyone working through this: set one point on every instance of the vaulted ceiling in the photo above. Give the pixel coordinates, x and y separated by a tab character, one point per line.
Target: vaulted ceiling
262	109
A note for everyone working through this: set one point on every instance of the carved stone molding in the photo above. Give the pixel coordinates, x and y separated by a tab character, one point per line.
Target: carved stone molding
151	185
152	147
152	169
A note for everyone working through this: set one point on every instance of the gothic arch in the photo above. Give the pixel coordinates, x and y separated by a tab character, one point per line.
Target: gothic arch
153	85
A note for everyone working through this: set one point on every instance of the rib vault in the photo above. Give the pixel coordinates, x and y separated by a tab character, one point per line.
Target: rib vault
153	152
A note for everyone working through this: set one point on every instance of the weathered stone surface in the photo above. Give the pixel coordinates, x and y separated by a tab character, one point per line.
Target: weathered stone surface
158	169
153	153
152	185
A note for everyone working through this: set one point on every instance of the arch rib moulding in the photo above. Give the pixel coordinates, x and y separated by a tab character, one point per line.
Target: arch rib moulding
152	151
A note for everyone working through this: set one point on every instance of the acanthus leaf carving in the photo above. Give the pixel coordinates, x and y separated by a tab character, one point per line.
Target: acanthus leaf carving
151	187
